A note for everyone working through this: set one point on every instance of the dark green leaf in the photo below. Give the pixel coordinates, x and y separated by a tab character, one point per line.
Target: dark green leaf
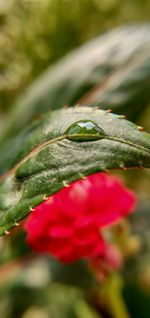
112	71
47	159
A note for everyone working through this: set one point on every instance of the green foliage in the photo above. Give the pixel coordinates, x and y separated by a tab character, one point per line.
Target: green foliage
53	155
107	71
35	33
41	152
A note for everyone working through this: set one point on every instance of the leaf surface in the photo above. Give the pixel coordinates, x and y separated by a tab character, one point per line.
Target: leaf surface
49	157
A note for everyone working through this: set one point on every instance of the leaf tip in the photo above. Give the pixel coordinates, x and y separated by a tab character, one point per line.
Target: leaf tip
82	176
31	209
140	128
65	184
122	117
16	224
45	198
7	232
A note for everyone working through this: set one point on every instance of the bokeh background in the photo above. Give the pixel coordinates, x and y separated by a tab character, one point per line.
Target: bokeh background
34	34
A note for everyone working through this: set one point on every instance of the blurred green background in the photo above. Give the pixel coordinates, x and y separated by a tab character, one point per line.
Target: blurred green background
36	33
33	35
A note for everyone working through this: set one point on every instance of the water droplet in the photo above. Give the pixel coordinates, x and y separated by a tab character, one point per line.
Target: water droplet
84	130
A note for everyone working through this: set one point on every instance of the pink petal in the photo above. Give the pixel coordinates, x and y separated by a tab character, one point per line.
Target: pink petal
98	249
73	201
60	231
85	221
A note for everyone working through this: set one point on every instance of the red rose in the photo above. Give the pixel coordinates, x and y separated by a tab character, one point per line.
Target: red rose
68	225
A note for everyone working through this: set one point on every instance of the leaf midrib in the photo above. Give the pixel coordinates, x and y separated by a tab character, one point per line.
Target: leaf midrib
59	138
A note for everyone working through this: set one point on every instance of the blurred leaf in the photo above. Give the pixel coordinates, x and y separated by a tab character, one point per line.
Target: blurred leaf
84	310
53	155
137	301
33	37
136	272
75	274
112	71
54	300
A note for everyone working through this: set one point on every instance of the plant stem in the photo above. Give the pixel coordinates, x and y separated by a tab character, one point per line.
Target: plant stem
112	291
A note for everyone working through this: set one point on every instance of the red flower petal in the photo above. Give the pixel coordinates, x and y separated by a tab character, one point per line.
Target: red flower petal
68	224
74	201
60	232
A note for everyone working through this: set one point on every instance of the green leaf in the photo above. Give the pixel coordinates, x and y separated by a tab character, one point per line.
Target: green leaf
56	152
112	71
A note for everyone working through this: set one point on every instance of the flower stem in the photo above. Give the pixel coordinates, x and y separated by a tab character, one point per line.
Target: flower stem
112	290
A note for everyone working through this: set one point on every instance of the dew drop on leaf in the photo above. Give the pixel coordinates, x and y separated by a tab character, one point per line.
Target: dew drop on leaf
84	130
